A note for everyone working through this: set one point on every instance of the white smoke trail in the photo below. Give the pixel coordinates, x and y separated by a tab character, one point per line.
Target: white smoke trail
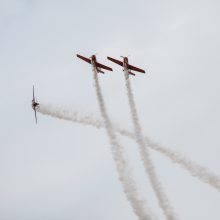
56	112
196	170
125	177
148	164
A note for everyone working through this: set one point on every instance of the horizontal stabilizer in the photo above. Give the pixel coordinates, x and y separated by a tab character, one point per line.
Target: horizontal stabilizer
130	73
100	71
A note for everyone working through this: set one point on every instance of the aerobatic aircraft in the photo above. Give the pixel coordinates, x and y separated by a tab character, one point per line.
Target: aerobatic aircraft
126	65
34	105
93	61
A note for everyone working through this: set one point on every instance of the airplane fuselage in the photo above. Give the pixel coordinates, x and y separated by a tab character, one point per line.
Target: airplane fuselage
34	104
125	63
126	67
93	60
94	64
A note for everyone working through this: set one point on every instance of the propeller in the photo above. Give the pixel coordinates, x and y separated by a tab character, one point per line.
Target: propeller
125	57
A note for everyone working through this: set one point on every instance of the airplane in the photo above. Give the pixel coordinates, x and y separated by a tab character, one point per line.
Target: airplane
126	65
34	105
93	61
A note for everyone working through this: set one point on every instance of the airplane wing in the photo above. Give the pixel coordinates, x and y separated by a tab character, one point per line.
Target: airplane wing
33	93
103	66
115	61
135	69
84	58
35	115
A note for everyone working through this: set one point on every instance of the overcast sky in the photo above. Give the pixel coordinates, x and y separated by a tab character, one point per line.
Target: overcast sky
61	170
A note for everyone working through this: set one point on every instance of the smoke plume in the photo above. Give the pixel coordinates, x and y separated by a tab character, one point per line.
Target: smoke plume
128	183
148	164
196	170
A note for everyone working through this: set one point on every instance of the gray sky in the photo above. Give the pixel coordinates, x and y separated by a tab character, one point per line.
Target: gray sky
60	170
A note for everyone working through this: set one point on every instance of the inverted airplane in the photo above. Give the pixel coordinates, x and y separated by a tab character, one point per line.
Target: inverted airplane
126	65
93	61
34	105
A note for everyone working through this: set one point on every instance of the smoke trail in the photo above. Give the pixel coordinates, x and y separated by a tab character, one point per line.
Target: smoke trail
60	113
149	167
198	171
127	181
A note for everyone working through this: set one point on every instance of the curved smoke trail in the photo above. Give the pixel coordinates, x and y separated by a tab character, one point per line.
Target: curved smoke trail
148	164
196	170
127	181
